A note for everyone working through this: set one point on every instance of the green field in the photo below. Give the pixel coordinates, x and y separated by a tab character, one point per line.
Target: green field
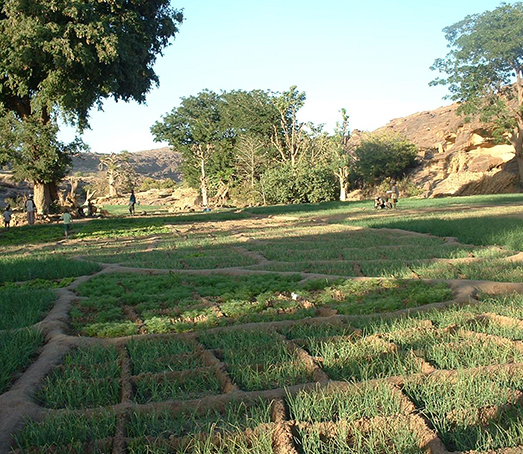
309	328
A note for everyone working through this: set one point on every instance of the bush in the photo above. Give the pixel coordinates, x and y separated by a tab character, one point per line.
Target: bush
151	183
382	156
301	184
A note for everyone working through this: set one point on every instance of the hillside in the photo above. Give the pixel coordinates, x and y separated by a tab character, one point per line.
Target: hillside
457	157
159	163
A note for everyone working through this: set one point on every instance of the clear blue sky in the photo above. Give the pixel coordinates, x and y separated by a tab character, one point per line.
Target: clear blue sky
371	57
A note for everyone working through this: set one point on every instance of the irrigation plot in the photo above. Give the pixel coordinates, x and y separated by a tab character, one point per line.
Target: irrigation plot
263	335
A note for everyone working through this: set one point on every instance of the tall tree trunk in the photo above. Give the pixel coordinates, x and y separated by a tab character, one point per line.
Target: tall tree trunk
112	184
343	178
343	192
517	143
203	183
42	197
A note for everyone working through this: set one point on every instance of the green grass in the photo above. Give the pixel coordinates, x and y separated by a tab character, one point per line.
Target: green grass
452	407
23	307
61	429
358	401
17	349
159	388
487	230
27	268
159	355
229	443
88	378
234	416
257	360
362	359
384	436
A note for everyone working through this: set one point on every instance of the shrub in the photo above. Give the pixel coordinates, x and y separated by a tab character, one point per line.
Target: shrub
301	184
151	183
383	155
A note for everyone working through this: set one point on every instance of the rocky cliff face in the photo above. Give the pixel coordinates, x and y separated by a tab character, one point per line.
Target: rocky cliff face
456	157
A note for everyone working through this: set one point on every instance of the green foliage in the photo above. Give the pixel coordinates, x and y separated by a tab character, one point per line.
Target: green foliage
59	430
26	268
151	183
383	155
23	307
484	69
31	147
63	55
301	184
16	351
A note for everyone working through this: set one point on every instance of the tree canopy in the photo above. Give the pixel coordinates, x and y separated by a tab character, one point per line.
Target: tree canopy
484	69
58	58
69	55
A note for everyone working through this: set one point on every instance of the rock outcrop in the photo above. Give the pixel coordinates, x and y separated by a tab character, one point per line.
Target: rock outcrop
457	157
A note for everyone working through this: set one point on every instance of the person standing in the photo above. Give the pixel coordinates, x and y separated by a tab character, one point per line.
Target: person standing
395	193
7	216
30	208
67	218
132	202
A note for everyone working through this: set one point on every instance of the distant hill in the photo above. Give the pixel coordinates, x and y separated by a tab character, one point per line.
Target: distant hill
160	163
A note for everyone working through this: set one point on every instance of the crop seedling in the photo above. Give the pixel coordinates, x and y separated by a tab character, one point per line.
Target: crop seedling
162	387
21	307
60	429
158	355
350	404
236	416
383	436
363	359
229	443
88	378
16	351
452	407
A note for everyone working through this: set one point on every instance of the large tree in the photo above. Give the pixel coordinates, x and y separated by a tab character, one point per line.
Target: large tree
484	70
342	154
195	128
61	57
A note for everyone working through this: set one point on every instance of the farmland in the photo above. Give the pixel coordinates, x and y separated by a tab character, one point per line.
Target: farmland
303	329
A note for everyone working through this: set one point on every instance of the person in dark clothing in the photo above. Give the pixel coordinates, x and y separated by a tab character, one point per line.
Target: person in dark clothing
132	202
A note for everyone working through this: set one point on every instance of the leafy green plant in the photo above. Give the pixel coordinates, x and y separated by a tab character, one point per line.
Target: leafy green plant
60	429
158	355
88	378
17	349
163	387
350	404
23	307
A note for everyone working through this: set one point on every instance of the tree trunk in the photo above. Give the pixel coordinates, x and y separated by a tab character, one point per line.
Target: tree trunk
519	160
343	178
517	142
42	197
343	192
203	183
112	184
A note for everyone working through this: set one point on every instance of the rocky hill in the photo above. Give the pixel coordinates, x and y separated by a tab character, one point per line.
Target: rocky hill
160	163
456	157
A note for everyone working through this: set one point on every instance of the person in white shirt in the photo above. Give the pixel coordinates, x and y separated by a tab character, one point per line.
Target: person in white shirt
30	207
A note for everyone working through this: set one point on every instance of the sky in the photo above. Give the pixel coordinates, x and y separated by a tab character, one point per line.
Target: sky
370	57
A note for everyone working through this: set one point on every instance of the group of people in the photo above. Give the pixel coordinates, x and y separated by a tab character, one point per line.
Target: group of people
389	200
30	209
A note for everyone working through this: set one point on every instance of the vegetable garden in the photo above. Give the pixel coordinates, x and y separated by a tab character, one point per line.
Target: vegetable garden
319	335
